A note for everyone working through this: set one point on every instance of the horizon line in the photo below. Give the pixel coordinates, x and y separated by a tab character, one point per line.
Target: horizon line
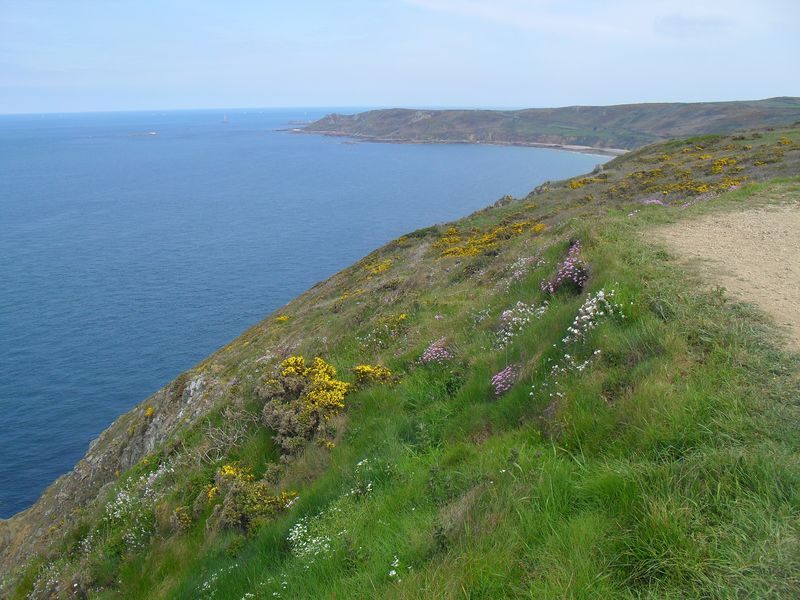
370	107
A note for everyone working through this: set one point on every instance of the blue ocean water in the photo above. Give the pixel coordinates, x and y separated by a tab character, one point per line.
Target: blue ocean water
127	257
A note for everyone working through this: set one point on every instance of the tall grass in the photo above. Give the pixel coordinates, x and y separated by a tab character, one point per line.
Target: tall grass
669	468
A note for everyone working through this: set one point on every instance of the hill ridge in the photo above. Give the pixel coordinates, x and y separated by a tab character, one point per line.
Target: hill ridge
608	129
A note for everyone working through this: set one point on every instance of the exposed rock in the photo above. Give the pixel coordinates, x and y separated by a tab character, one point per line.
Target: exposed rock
128	440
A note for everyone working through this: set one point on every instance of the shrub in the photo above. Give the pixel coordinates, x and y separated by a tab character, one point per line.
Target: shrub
248	503
575	184
367	374
455	244
376	268
181	518
301	400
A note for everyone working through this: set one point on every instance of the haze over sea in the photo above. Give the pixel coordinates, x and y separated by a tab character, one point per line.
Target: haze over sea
128	257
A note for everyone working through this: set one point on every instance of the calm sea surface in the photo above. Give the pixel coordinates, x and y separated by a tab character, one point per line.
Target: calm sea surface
125	257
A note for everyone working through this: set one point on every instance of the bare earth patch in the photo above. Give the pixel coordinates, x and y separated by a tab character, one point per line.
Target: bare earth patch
754	254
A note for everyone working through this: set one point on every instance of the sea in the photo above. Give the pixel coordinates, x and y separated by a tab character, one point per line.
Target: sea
133	245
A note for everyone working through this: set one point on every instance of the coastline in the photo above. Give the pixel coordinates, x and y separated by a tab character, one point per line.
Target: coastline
386	140
98	463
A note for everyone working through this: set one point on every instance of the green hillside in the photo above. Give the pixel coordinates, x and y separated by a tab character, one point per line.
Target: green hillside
535	401
623	126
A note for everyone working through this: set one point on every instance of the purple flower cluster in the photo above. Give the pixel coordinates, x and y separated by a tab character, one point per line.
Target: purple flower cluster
571	271
436	352
503	380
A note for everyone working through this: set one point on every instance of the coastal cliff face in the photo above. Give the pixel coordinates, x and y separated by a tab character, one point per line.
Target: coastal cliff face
126	442
441	403
615	128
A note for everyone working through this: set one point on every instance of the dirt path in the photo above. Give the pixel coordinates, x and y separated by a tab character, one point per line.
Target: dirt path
754	254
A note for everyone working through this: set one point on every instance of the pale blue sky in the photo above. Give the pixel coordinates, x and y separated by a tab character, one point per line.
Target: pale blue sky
85	55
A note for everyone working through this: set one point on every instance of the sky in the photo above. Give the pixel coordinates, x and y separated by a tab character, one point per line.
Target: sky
98	55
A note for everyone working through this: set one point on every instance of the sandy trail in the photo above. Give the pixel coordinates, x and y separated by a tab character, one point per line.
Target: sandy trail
754	254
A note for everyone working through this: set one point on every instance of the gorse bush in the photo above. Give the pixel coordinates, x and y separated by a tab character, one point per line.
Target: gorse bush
301	401
367	374
247	504
454	243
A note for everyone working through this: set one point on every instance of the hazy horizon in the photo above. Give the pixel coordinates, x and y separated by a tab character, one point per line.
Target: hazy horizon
349	108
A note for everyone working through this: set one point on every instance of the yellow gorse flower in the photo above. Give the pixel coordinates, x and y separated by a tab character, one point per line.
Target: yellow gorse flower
323	393
575	184
294	366
234	472
454	244
376	268
366	374
721	163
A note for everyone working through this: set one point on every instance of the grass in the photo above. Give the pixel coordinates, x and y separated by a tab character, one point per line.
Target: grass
667	468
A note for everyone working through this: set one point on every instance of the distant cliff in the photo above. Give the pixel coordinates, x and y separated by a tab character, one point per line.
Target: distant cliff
620	127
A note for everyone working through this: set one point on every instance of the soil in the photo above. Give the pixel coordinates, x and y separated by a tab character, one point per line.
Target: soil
754	254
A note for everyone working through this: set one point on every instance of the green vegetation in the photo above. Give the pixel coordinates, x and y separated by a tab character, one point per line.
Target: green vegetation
624	126
647	450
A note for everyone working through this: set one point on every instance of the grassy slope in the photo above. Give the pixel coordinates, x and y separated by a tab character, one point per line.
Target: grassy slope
622	126
669	468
